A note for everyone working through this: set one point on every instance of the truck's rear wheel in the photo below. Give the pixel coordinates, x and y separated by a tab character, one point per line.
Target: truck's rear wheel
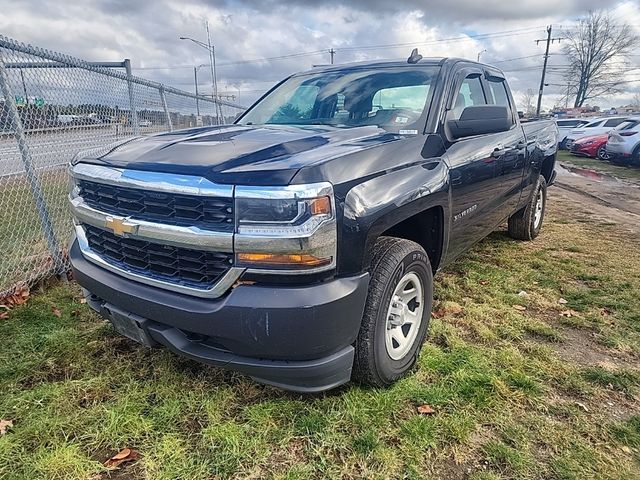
526	223
397	313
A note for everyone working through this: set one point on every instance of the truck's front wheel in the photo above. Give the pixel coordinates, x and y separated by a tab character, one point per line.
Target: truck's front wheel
397	313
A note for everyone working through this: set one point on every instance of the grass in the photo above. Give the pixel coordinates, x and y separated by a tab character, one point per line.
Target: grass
23	247
618	171
531	394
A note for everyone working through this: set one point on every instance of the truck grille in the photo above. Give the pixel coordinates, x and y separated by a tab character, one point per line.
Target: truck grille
211	213
181	266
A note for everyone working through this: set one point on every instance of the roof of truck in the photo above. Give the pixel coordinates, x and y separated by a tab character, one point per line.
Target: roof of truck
395	63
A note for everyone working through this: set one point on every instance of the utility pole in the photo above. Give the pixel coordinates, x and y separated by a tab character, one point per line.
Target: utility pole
549	41
332	52
195	79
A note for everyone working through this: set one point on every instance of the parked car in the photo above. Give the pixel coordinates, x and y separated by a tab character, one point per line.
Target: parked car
595	127
593	146
623	146
565	125
299	244
145	123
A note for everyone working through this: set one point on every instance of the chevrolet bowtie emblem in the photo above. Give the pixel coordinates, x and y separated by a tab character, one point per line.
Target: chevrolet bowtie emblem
119	226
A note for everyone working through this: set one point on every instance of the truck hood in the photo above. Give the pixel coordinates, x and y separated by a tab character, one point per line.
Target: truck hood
257	155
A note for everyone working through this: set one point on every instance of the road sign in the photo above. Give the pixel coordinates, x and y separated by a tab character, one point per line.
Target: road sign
20	101
39	102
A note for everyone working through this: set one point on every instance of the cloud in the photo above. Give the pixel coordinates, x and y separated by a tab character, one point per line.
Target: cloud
246	32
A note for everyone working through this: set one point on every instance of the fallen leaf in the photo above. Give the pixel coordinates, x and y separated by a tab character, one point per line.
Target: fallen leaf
56	311
242	282
582	406
124	455
484	282
437	313
83	301
426	410
5	425
520	308
19	296
625	449
522	293
568	313
562	301
4	315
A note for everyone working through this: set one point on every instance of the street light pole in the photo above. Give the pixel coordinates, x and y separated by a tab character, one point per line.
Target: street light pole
212	63
480	53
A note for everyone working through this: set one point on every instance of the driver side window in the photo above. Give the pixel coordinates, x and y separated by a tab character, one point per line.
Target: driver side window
469	94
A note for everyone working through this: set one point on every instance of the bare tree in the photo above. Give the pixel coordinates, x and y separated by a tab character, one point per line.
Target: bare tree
591	50
635	101
527	102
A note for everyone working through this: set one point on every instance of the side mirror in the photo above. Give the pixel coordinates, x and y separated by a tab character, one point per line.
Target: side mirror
480	120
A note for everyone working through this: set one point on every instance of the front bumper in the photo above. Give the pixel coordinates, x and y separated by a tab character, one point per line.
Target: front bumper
298	338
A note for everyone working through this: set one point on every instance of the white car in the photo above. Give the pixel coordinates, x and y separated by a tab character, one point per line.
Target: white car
596	126
623	146
145	123
565	125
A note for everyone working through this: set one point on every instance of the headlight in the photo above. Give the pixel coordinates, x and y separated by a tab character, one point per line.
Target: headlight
73	188
288	229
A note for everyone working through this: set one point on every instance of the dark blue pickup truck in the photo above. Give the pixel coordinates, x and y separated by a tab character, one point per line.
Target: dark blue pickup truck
299	244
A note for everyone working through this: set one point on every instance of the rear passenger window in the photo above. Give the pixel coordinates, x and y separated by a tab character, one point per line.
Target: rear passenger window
498	91
614	122
470	94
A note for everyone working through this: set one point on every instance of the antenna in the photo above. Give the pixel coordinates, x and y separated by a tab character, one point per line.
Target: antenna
415	57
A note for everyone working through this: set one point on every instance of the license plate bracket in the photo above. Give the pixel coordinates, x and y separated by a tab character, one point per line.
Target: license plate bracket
129	325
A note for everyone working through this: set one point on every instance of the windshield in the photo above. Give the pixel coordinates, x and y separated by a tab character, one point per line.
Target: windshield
392	98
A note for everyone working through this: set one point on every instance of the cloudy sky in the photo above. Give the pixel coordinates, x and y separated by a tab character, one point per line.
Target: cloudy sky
248	34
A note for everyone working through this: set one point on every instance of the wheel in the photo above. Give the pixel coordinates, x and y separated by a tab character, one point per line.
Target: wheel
526	223
635	157
602	153
397	312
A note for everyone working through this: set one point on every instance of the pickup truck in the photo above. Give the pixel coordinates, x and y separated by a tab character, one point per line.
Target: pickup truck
299	244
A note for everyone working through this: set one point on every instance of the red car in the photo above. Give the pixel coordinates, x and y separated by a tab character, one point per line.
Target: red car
594	146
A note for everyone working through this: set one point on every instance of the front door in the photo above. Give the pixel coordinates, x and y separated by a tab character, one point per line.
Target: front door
473	164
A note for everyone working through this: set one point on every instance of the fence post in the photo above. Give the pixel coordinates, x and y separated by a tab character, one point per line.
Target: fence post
29	168
132	102
163	97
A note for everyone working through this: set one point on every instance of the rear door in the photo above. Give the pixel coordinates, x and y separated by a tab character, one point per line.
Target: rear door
511	153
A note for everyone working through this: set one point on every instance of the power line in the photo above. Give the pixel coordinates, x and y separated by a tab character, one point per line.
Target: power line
505	33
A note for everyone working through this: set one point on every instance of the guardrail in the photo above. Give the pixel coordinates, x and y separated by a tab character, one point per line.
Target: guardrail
39	87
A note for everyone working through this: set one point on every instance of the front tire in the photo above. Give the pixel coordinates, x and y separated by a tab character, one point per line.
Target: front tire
397	312
526	223
602	153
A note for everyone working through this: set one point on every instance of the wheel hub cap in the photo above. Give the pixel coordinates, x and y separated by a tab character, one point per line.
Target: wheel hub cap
404	316
538	211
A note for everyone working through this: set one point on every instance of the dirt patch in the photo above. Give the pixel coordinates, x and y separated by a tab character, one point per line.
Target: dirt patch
581	348
605	199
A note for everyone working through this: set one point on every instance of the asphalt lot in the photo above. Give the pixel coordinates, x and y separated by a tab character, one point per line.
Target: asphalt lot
55	148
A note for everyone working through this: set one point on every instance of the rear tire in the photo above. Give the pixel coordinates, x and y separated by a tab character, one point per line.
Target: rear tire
397	312
526	223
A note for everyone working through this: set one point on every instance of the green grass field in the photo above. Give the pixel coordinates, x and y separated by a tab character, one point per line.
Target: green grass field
548	392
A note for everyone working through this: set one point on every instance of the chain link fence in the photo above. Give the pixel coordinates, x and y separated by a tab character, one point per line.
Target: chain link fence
51	107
